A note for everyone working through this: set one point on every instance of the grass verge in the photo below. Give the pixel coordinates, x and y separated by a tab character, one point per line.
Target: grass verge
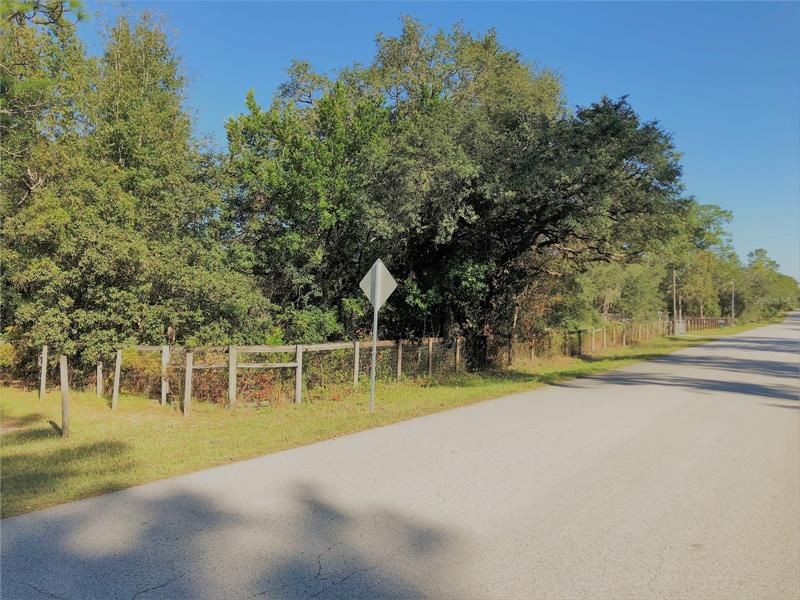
143	442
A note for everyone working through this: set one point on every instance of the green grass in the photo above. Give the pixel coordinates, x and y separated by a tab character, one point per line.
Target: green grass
142	441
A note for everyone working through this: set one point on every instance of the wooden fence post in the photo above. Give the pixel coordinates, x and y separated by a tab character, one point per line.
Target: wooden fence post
604	338
298	375
117	373
399	359
187	385
164	380
430	357
99	379
62	367
43	376
624	331
356	361
593	334
232	359
458	352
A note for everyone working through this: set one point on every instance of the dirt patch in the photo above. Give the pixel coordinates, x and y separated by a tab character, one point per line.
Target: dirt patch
12	424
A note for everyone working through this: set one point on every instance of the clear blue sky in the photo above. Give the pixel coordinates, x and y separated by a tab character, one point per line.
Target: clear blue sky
724	78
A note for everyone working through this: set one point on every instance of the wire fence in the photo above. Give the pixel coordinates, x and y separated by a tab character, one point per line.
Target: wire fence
590	341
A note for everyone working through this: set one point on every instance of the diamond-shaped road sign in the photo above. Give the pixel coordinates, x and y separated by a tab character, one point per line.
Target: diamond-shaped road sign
378	284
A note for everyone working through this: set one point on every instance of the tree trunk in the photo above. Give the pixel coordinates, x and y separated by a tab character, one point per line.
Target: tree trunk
512	335
475	350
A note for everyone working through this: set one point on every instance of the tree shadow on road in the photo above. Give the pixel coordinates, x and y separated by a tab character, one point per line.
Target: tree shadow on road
374	554
767	368
789	406
690	367
759	344
143	544
780	392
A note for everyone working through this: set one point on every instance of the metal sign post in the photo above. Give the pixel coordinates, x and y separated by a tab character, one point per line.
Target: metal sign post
376	290
378	284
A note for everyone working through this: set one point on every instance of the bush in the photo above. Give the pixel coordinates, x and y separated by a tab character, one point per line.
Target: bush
8	360
141	372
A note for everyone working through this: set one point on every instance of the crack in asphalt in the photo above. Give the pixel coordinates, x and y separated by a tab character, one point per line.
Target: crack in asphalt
318	576
268	590
657	570
155	587
358	572
42	592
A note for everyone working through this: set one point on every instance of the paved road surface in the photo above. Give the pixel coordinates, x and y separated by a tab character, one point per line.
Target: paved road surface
675	478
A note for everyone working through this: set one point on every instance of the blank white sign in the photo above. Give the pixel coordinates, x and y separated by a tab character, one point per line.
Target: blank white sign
378	284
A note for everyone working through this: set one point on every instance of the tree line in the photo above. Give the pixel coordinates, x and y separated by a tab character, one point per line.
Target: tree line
499	209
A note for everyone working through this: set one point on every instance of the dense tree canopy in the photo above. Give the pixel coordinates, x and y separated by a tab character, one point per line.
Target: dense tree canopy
110	230
449	156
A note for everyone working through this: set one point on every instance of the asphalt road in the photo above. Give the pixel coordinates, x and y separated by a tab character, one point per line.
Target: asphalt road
674	478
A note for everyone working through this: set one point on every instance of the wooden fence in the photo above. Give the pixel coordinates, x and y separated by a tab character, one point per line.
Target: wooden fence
239	358
440	355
